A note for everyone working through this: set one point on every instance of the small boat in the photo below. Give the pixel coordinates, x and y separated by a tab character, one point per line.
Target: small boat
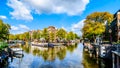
18	55
50	45
16	49
39	44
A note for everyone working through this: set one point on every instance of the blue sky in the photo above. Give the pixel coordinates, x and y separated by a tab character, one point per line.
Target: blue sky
25	15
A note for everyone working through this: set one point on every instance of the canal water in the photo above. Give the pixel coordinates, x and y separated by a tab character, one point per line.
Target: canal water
58	57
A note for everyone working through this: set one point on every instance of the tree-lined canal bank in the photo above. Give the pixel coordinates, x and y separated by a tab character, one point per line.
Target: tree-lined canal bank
58	57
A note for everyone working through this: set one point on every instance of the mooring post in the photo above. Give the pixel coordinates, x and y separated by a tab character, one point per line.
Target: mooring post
113	60
118	62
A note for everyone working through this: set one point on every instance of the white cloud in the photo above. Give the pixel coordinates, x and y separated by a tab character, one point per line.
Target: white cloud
3	17
24	27
22	9
14	28
19	29
64	28
78	27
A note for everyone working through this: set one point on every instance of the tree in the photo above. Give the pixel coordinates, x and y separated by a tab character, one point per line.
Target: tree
61	33
94	24
27	35
4	30
100	17
76	36
34	35
51	37
70	36
38	34
17	37
12	37
21	36
45	34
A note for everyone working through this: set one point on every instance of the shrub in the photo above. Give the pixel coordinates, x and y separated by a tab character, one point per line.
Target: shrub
3	45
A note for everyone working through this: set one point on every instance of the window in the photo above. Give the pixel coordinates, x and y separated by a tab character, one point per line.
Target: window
119	34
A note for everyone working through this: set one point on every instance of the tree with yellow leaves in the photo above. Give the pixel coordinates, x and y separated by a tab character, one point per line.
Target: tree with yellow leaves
94	24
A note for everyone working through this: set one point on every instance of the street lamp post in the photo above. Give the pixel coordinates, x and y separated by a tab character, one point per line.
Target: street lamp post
110	31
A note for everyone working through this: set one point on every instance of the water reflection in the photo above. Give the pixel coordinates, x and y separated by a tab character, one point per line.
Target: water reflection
71	56
71	48
4	64
95	62
89	62
50	53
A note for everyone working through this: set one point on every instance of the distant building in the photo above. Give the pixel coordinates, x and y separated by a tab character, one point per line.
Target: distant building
115	27
32	33
52	30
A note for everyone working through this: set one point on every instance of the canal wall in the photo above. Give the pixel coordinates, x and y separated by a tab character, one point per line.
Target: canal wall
107	52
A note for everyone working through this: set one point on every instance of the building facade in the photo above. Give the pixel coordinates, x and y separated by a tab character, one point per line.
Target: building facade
52	33
115	27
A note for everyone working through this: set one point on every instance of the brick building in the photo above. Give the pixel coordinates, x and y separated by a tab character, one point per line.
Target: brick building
115	27
52	30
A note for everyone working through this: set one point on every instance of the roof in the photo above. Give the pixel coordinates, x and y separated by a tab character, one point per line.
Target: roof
116	13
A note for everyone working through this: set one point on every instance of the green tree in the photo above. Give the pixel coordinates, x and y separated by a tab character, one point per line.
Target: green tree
94	24
61	33
21	36
51	37
76	36
45	34
17	37
38	34
34	35
70	36
11	37
4	30
27	35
